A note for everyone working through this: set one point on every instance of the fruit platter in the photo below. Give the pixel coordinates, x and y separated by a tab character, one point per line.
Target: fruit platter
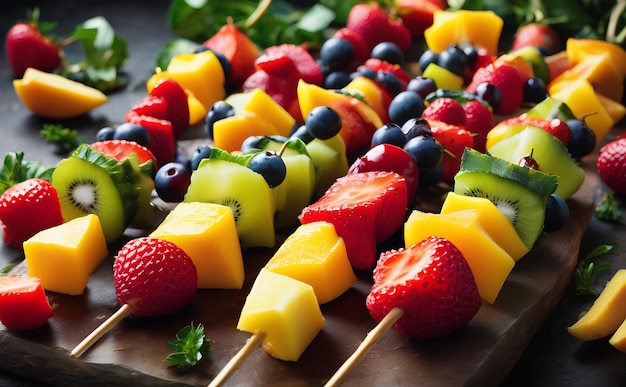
328	207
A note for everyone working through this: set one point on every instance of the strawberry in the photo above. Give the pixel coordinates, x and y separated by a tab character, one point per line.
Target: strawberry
454	140
176	103
26	47
431	283
162	141
555	126
506	78
445	109
417	15
154	276
150	105
479	121
537	35
121	149
377	65
307	68
27	208
23	303
611	165
366	208
375	26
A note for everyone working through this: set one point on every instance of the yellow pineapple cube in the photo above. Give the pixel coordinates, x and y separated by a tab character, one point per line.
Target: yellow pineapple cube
64	256
490	264
316	255
286	311
207	233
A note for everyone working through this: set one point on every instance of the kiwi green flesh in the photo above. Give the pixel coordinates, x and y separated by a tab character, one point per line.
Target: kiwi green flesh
550	153
551	108
540	183
85	188
244	191
523	207
300	183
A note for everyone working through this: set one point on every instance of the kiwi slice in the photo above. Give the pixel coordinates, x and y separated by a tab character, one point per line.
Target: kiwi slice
244	191
519	192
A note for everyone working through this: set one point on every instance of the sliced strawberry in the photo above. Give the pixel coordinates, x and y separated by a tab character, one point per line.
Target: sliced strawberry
176	103
479	121
454	139
162	142
431	283
381	65
23	303
366	208
307	67
27	208
150	105
121	149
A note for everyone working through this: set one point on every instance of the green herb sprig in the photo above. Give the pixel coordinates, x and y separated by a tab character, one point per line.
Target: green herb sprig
189	348
67	139
609	209
587	271
15	170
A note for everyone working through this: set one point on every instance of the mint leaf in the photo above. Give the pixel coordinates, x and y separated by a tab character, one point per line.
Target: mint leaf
609	209
190	347
66	138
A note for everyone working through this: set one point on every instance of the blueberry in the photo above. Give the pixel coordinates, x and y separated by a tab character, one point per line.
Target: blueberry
132	132
336	80
252	144
389	81
323	122
388	52
202	152
427	57
557	213
389	134
105	133
303	134
404	106
583	139
365	72
489	93
422	86
425	150
171	182
336	53
454	60
415	127
430	177
471	53
218	111
535	90
270	165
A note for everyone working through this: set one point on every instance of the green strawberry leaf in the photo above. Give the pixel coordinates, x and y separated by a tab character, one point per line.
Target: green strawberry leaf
15	170
189	348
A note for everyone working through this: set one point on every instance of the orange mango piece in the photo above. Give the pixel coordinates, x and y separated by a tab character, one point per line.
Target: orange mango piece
490	264
478	28
230	132
262	104
372	95
579	49
614	109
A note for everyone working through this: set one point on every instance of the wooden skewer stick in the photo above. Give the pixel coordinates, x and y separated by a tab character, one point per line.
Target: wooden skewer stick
100	331
245	351
383	326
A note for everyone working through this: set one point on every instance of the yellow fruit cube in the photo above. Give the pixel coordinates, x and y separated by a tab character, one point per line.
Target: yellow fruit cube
64	256
315	255
207	233
285	311
230	132
259	102
607	312
490	264
618	340
497	225
579	49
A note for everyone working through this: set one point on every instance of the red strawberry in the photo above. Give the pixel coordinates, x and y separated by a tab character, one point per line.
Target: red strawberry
506	78
612	165
537	35
446	110
121	149
150	105
479	121
176	103
366	208
154	276
162	142
431	283
27	208
27	47
417	15
23	303
375	26
397	70
555	126
307	67
454	140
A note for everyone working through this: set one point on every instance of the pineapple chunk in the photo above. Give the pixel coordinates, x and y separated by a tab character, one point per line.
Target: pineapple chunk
490	264
64	256
316	255
286	311
207	233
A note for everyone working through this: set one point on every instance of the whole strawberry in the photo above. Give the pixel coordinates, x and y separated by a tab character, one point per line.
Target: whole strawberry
27	208
454	140
537	35
506	78
375	26
431	283
27	47
447	110
612	165
479	121
154	276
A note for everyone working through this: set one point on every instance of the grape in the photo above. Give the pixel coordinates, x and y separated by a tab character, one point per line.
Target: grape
404	106
219	110
132	132
202	152
425	150
171	182
323	122
388	52
557	213
270	165
389	134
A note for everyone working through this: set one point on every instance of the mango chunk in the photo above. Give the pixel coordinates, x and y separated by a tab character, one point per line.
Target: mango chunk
285	310
478	28
56	97
618	340
316	255
490	264
207	233
497	225
64	256
262	104
579	49
230	132
606	314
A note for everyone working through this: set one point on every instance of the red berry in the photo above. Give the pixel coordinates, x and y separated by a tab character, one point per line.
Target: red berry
27	208
23	303
375	26
612	165
177	105
479	121
431	283
537	35
121	149
154	276
446	110
27	47
454	140
162	141
506	78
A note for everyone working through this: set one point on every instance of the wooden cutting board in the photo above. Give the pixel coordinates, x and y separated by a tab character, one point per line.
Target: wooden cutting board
481	353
